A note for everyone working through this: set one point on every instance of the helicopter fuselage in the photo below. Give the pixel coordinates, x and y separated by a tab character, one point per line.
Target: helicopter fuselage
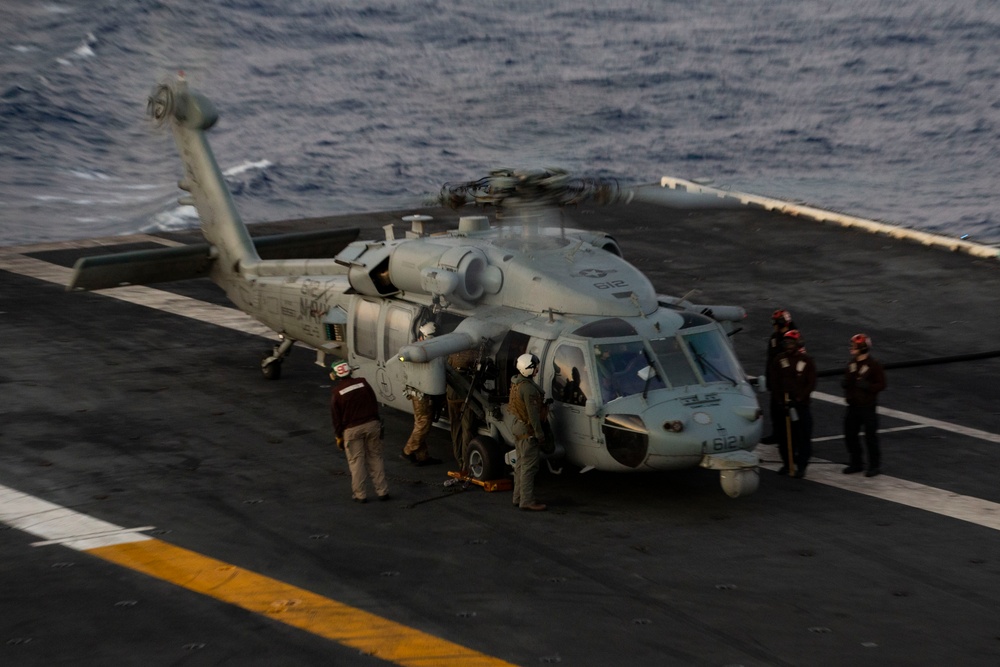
637	380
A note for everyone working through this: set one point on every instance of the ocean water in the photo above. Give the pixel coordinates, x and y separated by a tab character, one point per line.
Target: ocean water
888	109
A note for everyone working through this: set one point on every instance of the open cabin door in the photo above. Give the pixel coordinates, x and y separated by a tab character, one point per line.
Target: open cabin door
572	384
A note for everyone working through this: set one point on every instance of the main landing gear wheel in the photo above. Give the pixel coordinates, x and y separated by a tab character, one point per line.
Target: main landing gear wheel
486	459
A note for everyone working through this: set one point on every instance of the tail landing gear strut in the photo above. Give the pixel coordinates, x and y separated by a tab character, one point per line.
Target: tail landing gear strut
270	365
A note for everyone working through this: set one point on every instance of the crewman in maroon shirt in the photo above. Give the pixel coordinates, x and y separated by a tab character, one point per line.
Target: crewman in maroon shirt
358	430
864	378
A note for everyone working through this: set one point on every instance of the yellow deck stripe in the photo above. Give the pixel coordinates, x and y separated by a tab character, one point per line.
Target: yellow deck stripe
368	633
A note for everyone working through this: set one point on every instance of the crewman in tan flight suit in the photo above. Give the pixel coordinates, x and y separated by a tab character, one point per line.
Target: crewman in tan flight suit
415	451
526	404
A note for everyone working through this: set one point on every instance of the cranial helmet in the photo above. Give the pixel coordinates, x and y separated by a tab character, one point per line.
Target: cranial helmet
526	364
861	341
781	316
341	368
793	336
427	330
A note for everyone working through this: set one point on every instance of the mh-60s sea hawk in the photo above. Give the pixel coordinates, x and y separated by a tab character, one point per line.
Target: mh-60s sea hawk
638	381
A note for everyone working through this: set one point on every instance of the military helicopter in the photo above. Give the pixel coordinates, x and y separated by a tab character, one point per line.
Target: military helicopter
638	381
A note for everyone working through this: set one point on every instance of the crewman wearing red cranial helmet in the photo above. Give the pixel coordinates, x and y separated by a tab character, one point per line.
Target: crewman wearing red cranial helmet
864	378
794	376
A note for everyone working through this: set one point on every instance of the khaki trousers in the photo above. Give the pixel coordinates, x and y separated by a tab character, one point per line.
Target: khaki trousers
417	443
363	446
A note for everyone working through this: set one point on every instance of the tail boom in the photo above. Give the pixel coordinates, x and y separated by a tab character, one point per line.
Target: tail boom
190	115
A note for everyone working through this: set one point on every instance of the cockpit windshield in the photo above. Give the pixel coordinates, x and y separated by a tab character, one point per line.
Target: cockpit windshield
713	357
674	361
691	358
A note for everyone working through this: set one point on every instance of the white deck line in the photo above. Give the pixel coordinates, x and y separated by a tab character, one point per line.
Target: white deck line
59	525
141	295
822	215
828	438
965	508
103	241
918	419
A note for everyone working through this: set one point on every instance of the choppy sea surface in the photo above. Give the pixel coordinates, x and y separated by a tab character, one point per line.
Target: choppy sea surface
888	109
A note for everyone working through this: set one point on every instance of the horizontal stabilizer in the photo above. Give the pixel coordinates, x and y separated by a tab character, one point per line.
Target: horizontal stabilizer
144	267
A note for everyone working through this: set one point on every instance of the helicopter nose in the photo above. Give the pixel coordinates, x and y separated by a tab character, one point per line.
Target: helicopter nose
679	433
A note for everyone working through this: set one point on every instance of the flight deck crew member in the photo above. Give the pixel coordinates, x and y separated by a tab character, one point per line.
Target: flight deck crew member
526	404
864	378
358	431
461	416
415	450
794	374
781	323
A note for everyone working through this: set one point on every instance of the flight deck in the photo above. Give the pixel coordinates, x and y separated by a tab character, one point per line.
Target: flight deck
164	504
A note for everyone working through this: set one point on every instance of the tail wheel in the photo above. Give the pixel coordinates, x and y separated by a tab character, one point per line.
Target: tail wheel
270	365
486	459
272	370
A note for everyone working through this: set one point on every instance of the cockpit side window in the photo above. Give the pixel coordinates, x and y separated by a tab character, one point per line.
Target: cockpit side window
514	344
570	376
618	366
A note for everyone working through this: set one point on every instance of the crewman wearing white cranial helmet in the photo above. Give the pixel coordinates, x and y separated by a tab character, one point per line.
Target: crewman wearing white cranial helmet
415	450
527	404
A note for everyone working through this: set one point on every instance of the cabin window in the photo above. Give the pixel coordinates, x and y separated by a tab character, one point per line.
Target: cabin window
570	379
514	345
366	328
397	331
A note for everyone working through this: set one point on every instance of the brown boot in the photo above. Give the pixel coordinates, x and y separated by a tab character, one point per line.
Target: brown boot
534	507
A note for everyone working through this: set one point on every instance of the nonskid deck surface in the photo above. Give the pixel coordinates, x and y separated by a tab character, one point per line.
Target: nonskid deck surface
144	409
